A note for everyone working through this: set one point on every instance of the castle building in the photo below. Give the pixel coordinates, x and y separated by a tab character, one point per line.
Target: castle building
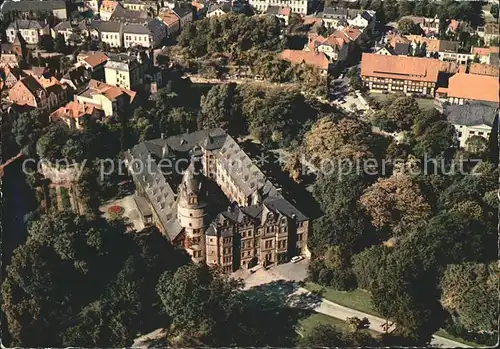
257	225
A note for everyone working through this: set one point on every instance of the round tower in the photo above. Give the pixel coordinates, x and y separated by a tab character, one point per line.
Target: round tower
191	213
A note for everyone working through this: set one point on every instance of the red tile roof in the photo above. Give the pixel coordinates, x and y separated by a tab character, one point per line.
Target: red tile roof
484	51
317	60
400	67
73	110
484	69
96	58
474	87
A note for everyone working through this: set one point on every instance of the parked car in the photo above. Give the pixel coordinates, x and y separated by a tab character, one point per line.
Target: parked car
296	259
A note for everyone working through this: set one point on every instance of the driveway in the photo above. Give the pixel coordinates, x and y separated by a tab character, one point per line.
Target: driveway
278	284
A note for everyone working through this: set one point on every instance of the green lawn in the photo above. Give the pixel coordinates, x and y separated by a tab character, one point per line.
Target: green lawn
444	334
357	299
423	103
307	324
361	300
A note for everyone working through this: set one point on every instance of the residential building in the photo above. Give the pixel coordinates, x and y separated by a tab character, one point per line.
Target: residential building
93	61
129	16
140	5
399	74
68	30
107	9
335	46
111	33
491	34
282	13
471	119
171	21
31	31
31	92
108	98
77	78
463	88
217	10
185	14
315	59
486	55
26	8
260	227
10	75
92	5
334	17
149	35
13	53
444	50
484	69
124	71
298	6
428	25
75	115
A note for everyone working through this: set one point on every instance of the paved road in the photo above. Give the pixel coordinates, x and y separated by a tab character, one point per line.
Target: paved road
298	272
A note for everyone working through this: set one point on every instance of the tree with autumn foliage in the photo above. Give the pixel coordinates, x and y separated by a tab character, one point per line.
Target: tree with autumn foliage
396	205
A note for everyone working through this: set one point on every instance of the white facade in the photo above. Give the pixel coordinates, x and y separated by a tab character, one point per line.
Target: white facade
144	40
93	5
217	13
465	132
31	36
297	6
113	39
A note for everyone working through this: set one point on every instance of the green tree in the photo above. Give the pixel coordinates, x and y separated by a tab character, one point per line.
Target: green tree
402	111
26	130
477	145
470	295
406	26
200	301
60	44
396	203
494	11
216	108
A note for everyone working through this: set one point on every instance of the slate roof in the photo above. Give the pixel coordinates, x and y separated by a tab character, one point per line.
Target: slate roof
182	11
272	10
471	114
448	46
23	6
109	27
333	12
134	28
122	14
402	48
243	172
26	24
226	7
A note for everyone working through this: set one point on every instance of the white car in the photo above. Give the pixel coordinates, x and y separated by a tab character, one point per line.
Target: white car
296	259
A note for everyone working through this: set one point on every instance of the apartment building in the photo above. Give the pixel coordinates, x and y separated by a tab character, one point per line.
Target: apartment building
124	71
260	227
335	17
108	98
399	74
148	35
35	93
139	5
111	33
31	31
298	6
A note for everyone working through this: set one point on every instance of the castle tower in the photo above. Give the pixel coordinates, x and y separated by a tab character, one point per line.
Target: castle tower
191	212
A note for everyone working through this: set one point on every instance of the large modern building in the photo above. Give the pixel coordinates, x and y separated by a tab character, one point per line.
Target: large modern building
219	206
400	73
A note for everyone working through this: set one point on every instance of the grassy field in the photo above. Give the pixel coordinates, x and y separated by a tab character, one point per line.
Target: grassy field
423	103
356	299
444	334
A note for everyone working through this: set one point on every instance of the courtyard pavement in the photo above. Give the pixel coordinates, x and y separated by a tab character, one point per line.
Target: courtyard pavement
131	213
